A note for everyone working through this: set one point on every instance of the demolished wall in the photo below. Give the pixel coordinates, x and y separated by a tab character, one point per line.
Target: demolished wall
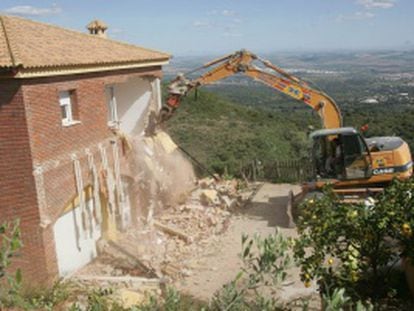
49	162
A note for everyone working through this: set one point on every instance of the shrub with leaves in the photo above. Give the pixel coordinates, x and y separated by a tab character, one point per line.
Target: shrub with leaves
9	283
265	261
338	300
355	246
398	201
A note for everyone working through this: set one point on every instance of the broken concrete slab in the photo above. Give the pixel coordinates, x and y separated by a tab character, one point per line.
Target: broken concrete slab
209	197
206	183
133	281
173	231
228	202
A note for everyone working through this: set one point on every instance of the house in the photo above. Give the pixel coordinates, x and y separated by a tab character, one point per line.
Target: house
64	98
369	101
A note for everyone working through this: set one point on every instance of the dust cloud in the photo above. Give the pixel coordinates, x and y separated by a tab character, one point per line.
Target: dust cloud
163	176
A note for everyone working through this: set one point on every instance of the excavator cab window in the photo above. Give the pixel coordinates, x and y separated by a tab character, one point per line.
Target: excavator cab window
327	157
331	159
319	156
356	157
341	156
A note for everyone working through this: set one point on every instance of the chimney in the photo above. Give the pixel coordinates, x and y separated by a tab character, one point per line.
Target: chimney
97	28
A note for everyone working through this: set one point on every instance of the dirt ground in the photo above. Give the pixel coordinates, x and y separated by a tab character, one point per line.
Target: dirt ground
211	270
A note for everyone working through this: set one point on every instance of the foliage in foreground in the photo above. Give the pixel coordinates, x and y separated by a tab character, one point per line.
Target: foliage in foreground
356	246
10	284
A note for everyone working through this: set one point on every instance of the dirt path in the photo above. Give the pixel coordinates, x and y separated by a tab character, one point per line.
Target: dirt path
212	270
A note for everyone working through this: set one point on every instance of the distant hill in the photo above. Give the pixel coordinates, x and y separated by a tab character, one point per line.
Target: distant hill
225	135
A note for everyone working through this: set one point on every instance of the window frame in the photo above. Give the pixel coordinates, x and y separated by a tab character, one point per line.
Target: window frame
67	100
113	119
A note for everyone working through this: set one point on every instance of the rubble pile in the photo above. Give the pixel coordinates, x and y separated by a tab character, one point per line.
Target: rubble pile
206	212
169	248
120	277
171	245
183	233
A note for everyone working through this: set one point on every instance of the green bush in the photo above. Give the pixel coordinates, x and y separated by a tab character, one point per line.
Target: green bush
265	261
12	295
356	246
10	284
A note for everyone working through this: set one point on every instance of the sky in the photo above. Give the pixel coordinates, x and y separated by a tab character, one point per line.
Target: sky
201	27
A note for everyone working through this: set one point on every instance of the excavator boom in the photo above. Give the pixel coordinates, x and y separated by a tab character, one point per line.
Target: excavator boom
273	76
345	159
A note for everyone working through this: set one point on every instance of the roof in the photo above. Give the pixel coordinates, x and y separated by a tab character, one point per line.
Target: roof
384	143
26	44
336	131
97	24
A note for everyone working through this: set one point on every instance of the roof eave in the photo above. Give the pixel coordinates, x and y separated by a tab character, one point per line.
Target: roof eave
48	71
334	131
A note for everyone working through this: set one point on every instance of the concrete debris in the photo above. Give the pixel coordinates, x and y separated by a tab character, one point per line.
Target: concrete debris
130	299
183	233
132	280
172	231
206	183
209	197
174	244
229	203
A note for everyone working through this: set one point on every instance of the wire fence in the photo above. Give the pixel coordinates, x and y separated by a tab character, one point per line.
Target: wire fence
278	171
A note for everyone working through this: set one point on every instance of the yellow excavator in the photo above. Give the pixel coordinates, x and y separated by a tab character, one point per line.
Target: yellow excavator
341	156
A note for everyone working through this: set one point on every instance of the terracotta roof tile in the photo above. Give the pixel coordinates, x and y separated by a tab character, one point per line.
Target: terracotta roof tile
33	45
5	58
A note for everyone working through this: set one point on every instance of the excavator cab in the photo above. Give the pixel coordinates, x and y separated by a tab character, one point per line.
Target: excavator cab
340	154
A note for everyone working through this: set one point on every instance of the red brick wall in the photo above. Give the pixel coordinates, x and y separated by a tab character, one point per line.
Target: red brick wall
49	138
17	188
31	133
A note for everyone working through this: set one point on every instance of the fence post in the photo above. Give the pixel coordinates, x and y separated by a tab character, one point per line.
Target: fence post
254	170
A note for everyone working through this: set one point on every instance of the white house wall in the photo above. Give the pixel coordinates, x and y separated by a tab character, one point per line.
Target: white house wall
74	252
133	98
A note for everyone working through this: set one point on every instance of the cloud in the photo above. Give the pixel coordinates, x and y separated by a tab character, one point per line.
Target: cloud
377	4
232	34
202	24
116	31
224	12
213	12
28	10
225	22
357	16
228	13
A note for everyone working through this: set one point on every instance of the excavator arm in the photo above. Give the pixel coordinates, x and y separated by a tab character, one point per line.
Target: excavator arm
273	76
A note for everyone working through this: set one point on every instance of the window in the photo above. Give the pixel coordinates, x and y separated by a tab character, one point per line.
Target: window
112	106
356	158
68	108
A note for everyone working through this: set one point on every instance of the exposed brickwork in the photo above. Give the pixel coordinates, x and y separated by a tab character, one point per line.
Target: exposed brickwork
48	138
17	187
32	136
